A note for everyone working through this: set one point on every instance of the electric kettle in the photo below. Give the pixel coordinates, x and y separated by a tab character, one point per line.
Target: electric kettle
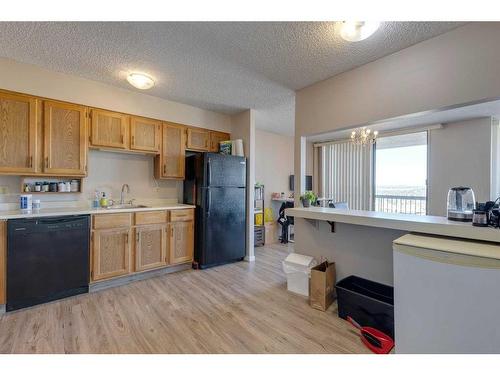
461	203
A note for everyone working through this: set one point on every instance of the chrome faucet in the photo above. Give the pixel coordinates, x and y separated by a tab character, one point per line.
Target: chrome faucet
125	189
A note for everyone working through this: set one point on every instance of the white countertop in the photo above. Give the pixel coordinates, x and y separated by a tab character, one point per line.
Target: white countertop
64	211
437	225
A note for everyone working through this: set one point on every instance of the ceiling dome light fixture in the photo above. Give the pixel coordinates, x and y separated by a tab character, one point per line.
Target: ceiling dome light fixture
140	80
354	31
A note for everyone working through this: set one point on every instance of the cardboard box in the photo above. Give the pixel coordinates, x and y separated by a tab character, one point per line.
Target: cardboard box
271	235
322	286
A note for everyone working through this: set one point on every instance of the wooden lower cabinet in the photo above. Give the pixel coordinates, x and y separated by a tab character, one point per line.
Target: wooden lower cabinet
150	247
110	253
124	243
181	241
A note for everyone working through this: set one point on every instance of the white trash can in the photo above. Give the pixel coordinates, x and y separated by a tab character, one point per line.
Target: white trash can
297	268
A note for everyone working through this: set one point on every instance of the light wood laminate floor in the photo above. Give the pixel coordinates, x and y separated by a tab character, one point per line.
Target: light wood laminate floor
237	308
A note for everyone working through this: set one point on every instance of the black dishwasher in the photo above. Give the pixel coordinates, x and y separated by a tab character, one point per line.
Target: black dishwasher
47	259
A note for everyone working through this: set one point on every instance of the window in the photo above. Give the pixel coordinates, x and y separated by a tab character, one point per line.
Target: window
400	174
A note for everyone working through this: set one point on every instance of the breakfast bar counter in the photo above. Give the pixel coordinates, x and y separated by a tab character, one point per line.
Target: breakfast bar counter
435	225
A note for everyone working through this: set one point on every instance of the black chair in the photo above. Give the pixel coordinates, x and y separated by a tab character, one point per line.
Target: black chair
285	221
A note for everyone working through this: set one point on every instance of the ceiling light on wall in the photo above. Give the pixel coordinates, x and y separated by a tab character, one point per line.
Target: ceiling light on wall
140	80
363	136
354	31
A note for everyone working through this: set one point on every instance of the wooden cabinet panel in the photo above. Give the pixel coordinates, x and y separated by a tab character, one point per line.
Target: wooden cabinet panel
109	129
150	217
181	241
198	139
65	138
110	253
150	247
145	134
170	162
216	138
18	119
3	262
109	221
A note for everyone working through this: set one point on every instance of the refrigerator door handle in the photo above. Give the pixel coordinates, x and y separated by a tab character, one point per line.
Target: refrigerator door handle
207	207
209	172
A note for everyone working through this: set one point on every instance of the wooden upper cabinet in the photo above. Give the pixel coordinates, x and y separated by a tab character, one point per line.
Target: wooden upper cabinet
216	138
181	241
109	129
18	121
198	139
145	134
150	247
110	253
65	138
170	162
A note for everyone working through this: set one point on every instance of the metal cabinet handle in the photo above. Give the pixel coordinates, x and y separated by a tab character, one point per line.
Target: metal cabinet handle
46	162
133	140
164	169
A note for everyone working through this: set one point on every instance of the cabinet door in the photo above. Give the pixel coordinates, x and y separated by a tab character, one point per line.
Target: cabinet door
109	129
215	139
65	138
170	164
150	247
110	253
17	133
145	134
198	139
181	242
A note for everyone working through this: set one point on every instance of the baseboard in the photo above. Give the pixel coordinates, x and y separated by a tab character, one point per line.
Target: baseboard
123	280
250	258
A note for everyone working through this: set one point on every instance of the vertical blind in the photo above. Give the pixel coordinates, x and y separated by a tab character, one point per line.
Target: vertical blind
345	173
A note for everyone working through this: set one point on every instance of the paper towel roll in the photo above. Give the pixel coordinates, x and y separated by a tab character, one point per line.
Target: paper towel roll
237	148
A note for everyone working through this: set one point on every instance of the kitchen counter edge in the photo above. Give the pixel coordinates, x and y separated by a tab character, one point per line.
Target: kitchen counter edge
9	215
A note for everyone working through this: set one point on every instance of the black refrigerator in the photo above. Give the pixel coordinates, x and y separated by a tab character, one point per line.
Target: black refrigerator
216	184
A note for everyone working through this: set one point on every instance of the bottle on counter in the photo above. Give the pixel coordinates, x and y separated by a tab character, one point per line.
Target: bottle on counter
104	200
38	186
36	204
45	186
96	202
61	187
26	202
67	186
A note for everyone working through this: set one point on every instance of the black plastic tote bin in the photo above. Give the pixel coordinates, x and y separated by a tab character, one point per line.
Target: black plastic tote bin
369	303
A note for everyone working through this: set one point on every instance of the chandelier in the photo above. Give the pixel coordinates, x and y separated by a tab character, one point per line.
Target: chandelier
363	136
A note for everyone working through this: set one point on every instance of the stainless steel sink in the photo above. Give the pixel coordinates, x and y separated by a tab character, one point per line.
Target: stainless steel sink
125	206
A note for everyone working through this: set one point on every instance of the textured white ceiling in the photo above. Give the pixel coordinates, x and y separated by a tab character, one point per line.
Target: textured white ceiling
225	67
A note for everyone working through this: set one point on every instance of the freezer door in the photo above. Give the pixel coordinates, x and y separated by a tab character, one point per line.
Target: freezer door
224	225
224	170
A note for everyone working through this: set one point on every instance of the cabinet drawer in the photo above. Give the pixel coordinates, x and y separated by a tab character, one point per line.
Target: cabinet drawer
108	221
150	217
182	215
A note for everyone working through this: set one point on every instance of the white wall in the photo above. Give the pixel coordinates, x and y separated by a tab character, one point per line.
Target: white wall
273	164
457	67
106	170
460	155
243	125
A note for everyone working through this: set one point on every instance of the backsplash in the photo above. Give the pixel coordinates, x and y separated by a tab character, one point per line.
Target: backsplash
108	171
